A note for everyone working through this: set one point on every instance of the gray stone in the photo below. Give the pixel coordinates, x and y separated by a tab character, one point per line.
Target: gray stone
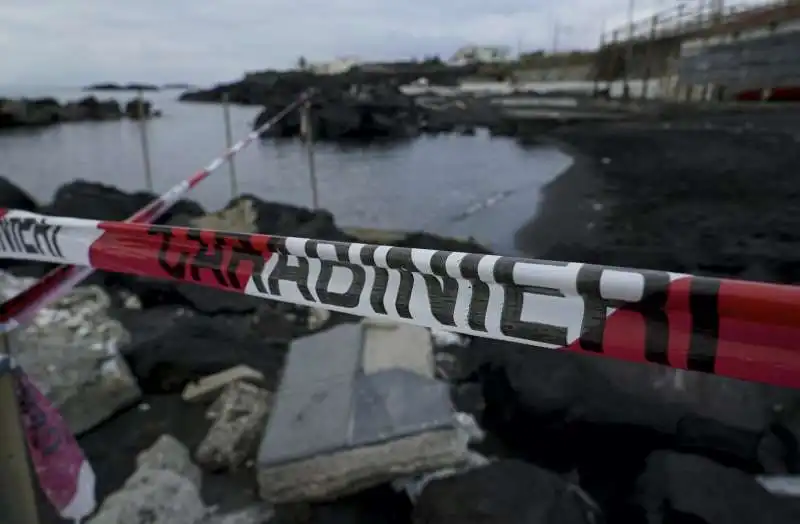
240	413
347	416
170	455
153	496
70	351
164	489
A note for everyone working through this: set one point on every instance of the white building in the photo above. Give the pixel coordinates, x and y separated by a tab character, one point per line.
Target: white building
334	67
473	54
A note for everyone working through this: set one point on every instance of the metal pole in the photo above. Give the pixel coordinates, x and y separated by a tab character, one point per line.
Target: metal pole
629	53
556	29
308	133
598	61
648	58
17	490
148	173
226	112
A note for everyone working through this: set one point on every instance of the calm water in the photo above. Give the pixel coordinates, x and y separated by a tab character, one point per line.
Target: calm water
448	184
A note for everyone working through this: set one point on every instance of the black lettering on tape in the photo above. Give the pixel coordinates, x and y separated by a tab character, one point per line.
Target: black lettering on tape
245	251
704	339
298	274
177	269
348	298
276	246
399	259
29	235
511	322
479	299
209	257
380	285
442	290
651	306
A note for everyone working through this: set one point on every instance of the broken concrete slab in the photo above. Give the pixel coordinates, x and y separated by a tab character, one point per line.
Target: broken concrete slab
240	413
356	407
209	386
70	351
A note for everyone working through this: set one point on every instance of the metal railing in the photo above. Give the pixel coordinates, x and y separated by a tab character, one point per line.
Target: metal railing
685	20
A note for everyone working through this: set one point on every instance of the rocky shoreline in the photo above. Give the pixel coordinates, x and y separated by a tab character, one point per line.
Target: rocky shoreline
39	112
571	438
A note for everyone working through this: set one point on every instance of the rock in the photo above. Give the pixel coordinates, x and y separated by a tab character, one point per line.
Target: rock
48	111
504	492
275	218
157	492
95	201
269	87
567	391
171	347
353	113
240	413
600	418
687	488
317	318
110	86
170	455
240	216
70	351
153	496
12	197
379	504
94	109
257	514
138	109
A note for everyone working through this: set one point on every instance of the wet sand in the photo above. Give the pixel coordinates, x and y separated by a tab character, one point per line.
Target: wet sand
704	195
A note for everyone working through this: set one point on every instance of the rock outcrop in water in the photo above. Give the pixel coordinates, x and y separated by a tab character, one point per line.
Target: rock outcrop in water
110	86
263	88
359	113
49	111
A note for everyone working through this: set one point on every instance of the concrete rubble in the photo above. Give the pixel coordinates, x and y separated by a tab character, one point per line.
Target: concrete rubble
357	406
70	351
239	415
165	489
210	386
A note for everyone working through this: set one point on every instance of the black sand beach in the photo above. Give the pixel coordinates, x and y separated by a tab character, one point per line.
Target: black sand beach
709	195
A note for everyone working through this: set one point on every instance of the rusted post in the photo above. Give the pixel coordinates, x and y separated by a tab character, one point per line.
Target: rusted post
142	117
307	132
226	115
17	490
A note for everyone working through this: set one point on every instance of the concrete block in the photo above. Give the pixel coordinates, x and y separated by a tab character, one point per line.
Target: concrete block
208	387
357	406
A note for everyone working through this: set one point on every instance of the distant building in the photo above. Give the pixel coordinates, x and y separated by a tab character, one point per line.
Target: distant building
473	54
334	67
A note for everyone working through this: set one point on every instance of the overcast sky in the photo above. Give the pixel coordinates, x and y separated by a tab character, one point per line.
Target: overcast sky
74	42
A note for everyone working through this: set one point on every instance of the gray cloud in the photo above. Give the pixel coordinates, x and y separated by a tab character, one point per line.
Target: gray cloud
71	42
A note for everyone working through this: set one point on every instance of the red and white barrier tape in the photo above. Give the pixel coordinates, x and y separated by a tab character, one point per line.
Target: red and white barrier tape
746	330
62	279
